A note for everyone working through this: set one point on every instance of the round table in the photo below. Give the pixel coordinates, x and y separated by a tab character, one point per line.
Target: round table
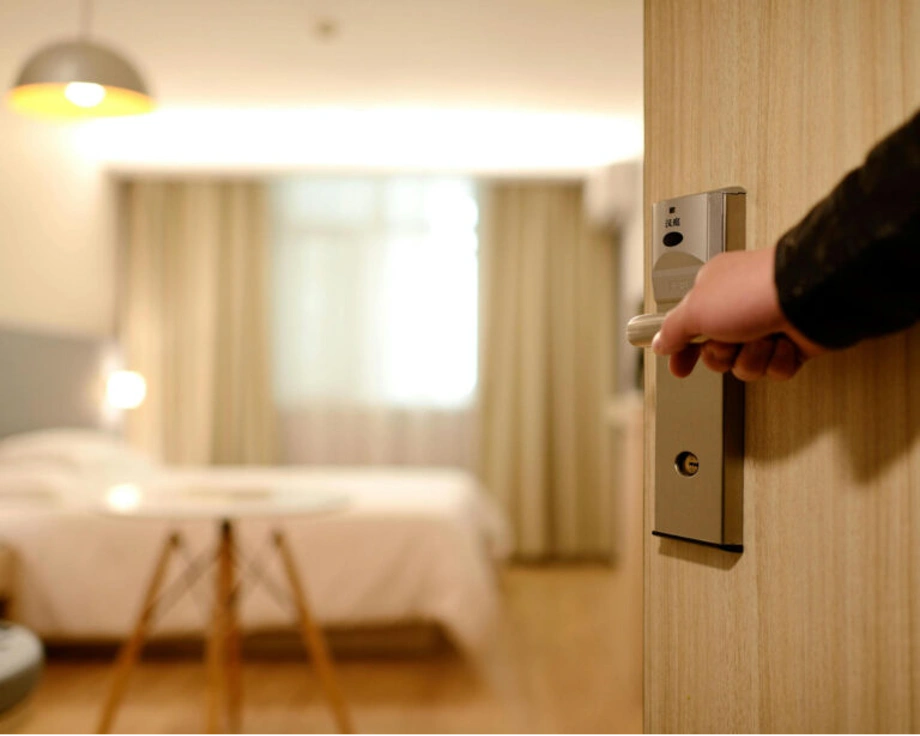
225	506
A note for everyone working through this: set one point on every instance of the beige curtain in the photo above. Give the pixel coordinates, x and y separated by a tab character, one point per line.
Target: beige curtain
329	434
547	368
193	319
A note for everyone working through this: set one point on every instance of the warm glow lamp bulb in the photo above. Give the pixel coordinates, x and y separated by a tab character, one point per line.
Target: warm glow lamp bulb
126	389
85	94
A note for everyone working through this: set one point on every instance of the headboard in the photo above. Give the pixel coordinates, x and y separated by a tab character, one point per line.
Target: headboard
51	380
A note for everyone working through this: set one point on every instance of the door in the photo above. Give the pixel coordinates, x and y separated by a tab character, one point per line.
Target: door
816	626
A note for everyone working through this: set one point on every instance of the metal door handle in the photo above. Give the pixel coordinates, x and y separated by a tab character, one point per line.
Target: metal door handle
640	330
699	420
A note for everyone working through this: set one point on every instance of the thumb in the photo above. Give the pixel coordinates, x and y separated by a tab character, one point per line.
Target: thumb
676	331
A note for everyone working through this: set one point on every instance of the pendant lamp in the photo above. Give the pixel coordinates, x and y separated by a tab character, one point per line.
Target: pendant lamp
79	79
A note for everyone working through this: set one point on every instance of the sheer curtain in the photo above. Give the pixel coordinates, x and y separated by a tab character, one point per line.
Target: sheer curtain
374	304
193	319
547	368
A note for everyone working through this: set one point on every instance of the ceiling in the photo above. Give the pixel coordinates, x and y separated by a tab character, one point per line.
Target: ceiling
577	60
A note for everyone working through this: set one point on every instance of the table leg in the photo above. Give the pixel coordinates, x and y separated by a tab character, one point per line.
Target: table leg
221	681
313	639
234	654
129	652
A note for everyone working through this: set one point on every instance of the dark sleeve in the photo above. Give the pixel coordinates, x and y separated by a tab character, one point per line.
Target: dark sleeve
851	268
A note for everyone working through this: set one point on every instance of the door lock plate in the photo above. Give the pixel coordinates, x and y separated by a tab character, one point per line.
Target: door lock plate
699	420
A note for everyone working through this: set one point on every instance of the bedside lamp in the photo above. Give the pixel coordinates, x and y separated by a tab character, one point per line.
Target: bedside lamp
125	389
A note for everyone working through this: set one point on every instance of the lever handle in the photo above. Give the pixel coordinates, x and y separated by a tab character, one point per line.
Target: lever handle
640	330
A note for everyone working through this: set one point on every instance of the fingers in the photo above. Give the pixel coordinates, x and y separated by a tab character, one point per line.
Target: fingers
719	356
786	360
675	333
682	362
775	357
753	359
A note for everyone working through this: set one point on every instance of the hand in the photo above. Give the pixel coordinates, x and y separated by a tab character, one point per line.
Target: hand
734	303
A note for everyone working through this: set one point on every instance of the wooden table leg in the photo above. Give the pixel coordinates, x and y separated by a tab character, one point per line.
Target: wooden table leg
313	639
128	655
234	653
218	654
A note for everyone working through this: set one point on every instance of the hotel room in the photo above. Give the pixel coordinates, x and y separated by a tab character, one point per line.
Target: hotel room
316	411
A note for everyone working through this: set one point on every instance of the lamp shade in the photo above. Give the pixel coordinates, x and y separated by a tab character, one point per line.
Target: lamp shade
79	79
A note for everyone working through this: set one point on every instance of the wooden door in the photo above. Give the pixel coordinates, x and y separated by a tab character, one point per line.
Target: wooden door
816	626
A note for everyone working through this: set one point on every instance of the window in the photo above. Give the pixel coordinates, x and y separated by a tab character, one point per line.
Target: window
374	291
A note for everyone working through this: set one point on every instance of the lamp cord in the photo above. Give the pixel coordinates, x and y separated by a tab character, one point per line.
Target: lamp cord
86	18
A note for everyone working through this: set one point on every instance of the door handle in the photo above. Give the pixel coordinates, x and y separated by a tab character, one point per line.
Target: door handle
640	330
699	420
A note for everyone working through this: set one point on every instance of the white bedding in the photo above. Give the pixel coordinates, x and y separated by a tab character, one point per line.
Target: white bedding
410	545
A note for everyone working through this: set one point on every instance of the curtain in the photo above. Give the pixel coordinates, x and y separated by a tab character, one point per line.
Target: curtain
546	368
375	287
193	319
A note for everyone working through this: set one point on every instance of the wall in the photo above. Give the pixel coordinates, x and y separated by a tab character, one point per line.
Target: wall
613	200
57	262
56	238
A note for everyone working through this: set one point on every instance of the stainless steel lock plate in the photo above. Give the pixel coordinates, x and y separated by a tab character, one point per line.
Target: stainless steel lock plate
699	420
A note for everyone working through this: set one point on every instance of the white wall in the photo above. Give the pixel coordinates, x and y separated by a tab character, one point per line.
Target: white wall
57	230
56	235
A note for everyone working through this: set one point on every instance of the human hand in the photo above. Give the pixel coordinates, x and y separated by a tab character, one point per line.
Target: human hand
734	303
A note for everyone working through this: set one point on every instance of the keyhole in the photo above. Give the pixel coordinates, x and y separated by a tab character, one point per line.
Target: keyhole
687	464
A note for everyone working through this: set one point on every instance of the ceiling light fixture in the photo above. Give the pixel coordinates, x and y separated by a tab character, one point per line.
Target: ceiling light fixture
79	79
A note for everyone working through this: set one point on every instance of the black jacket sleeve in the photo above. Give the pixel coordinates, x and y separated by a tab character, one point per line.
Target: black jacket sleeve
851	268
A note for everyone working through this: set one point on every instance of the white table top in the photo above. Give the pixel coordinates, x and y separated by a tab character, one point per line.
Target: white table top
135	500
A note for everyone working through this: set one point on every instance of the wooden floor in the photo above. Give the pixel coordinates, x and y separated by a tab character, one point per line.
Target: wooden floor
568	660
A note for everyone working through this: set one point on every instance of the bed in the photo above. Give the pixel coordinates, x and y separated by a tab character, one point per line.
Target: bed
410	546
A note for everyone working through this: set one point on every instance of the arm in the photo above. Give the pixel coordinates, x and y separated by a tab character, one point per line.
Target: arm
849	270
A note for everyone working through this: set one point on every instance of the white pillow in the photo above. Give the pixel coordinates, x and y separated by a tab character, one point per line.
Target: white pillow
77	450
